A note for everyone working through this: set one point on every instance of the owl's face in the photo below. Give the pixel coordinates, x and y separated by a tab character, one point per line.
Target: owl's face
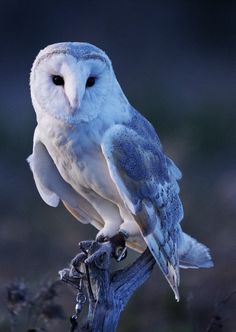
71	81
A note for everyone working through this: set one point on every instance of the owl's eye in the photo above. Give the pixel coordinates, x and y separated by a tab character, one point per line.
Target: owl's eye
90	82
57	80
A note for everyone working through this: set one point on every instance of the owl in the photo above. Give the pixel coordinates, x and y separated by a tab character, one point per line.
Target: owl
104	161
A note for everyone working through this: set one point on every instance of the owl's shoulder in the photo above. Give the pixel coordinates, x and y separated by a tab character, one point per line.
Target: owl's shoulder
143	127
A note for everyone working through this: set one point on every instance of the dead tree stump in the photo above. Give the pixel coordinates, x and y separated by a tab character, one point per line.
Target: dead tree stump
107	292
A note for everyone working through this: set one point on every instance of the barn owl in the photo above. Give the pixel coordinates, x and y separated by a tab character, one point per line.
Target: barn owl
94	152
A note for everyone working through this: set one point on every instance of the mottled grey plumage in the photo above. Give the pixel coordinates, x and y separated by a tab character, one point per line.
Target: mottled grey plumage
147	180
104	160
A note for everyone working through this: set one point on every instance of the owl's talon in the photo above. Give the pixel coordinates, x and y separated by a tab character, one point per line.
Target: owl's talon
119	247
120	254
76	261
85	245
101	238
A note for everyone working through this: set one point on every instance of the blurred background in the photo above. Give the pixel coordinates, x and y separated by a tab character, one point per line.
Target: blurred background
176	62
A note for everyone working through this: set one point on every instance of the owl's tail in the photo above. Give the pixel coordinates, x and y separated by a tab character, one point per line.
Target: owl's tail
193	254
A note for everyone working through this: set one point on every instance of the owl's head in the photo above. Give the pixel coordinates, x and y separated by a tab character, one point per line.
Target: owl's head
71	81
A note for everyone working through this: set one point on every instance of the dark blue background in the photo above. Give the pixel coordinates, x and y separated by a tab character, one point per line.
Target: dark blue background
176	62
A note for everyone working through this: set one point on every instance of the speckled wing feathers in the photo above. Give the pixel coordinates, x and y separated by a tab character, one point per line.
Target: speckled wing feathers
146	180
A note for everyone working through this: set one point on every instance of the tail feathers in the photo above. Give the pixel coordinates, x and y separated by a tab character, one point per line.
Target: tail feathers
173	279
170	272
193	254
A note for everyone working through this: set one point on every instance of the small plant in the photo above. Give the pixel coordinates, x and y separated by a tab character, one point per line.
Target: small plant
33	312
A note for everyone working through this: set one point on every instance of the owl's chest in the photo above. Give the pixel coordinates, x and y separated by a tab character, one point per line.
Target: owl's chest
80	161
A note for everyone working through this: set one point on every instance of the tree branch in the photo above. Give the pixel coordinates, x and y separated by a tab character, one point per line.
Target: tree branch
108	293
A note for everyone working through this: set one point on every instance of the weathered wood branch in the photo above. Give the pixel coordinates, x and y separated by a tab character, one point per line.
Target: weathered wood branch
107	292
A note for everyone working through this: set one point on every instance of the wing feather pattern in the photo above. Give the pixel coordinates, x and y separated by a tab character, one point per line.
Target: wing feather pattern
147	182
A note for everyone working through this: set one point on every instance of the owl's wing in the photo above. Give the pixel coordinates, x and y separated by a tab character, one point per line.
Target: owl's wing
52	187
147	182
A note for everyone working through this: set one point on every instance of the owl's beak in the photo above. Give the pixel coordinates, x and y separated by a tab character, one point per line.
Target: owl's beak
74	105
73	101
74	95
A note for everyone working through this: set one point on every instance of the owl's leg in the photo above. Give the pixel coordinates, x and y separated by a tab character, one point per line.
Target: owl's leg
107	232
110	215
129	226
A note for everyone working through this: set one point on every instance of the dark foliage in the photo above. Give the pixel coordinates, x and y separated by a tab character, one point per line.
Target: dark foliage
33	311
